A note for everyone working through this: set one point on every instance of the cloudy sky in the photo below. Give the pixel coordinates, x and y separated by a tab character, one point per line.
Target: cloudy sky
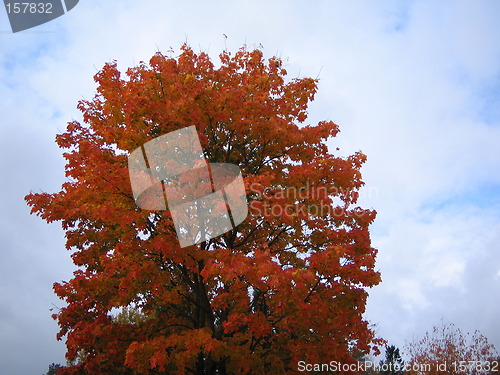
415	85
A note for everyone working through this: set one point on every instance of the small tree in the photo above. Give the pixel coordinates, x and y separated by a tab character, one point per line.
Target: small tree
393	364
53	368
446	350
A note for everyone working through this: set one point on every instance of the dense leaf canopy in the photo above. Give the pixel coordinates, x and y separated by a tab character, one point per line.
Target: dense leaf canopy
287	285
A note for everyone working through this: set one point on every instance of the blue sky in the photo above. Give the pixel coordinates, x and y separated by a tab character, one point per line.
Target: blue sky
415	85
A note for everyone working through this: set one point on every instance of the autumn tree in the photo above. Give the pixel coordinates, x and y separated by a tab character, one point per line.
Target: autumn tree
288	284
447	350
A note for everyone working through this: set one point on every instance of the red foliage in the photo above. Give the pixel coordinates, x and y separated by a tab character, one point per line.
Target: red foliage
287	285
